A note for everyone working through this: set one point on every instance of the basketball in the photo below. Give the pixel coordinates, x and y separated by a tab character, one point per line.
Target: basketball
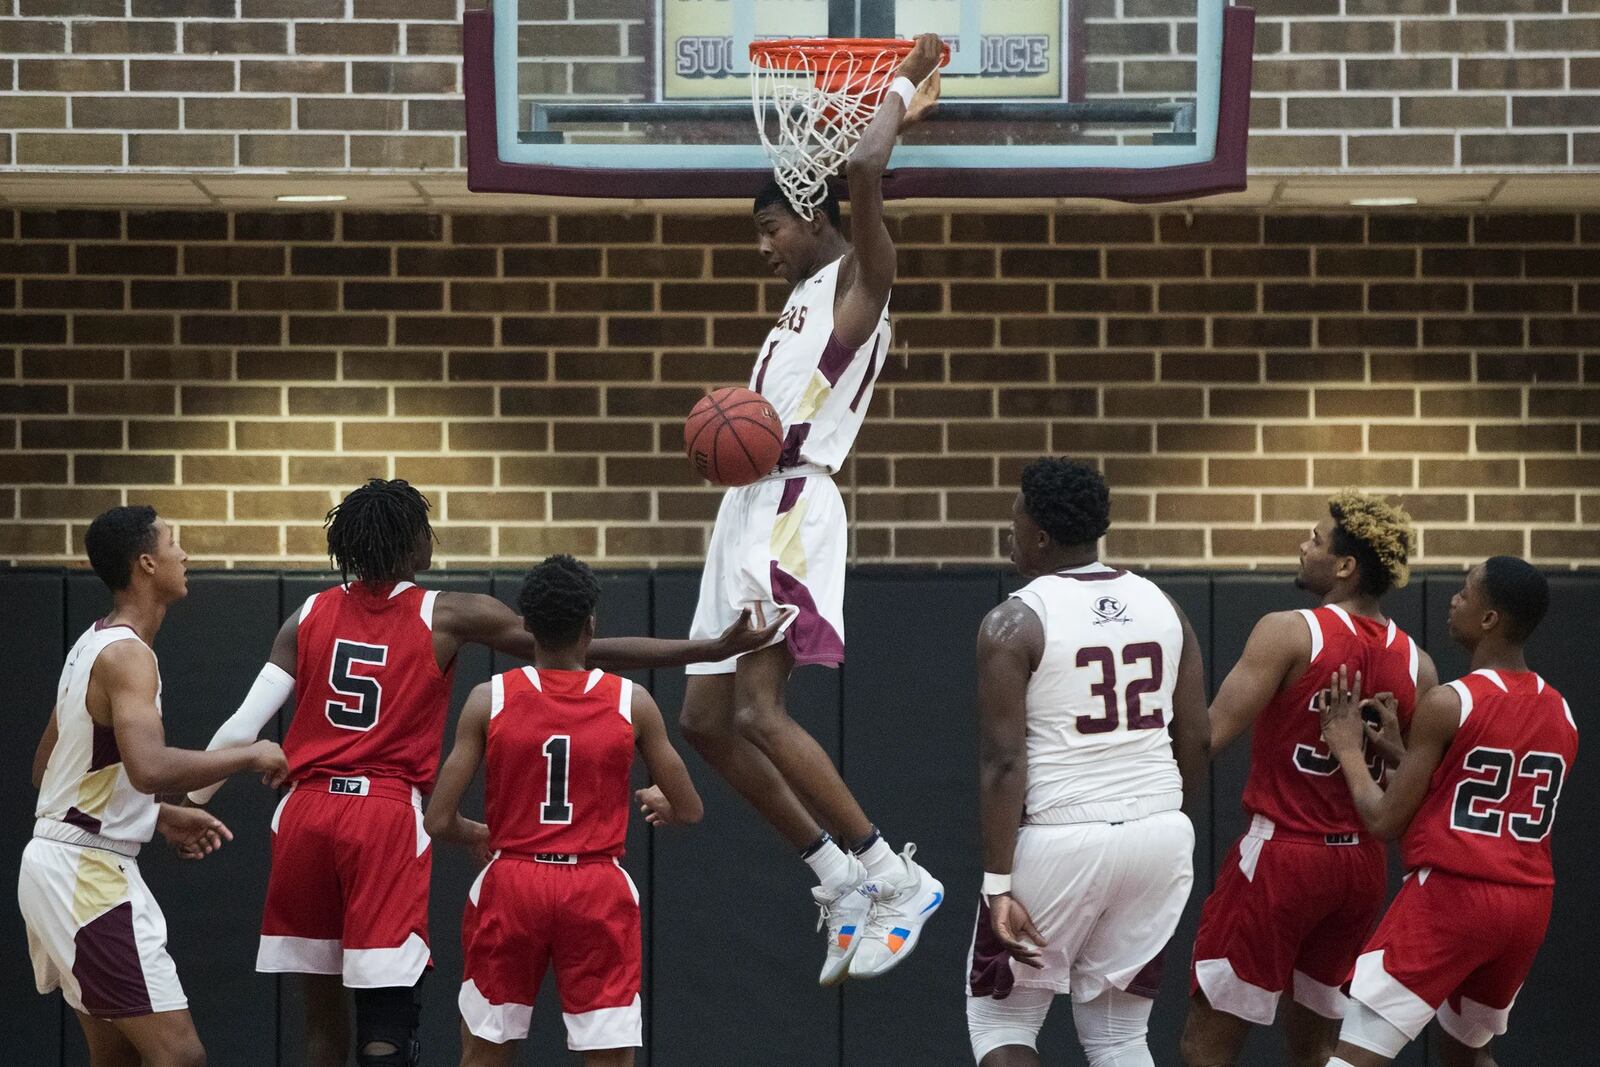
733	436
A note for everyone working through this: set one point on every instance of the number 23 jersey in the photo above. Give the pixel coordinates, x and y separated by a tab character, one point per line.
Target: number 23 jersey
370	697
1492	801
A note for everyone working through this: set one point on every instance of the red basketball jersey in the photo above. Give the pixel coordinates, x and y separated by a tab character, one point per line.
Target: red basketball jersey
1294	780
559	755
370	698
1492	802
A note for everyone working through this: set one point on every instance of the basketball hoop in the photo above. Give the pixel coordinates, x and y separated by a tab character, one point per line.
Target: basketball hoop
818	93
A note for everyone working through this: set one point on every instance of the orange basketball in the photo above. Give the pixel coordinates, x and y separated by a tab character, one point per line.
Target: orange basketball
733	436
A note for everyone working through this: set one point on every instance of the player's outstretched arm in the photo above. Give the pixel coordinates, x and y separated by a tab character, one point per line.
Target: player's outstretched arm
47	745
443	820
124	680
271	690
1278	642
481	619
1387	813
1191	720
869	273
672	799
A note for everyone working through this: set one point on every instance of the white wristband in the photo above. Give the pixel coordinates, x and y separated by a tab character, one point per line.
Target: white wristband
904	89
995	884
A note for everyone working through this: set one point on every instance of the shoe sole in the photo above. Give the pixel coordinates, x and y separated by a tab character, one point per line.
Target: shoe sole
827	982
911	941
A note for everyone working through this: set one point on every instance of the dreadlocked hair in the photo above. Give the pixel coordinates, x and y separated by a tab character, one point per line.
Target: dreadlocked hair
557	598
1378	534
1068	499
373	532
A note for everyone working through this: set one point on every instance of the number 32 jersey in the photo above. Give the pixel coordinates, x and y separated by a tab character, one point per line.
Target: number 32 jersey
1099	702
1492	802
370	697
557	762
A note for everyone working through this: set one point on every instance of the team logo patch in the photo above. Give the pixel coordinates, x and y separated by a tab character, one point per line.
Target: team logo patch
1110	609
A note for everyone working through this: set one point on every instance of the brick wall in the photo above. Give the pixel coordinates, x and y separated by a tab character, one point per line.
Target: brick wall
159	85
532	372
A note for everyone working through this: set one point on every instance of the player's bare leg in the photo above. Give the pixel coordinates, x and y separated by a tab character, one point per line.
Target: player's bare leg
708	724
760	716
608	1057
162	1039
327	1020
476	1052
107	1046
1453	1053
1012	1056
1211	1038
1310	1038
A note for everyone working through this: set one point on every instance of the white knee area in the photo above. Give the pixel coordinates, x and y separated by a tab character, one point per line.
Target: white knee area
1016	1020
1112	1029
1366	1029
1337	1062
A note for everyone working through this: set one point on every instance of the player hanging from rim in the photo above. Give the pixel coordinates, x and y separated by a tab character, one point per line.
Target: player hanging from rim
1088	859
780	545
94	930
370	664
1301	889
557	742
1475	799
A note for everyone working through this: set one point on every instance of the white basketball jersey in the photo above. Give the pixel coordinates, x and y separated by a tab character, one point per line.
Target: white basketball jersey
1099	703
819	388
85	784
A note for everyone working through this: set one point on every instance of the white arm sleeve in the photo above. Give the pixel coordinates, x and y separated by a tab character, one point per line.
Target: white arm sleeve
272	687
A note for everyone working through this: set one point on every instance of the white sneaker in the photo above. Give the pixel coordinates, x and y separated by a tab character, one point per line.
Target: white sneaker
844	917
900	908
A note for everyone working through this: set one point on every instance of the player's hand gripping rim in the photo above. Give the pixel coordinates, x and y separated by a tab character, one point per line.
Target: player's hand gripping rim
1011	923
921	68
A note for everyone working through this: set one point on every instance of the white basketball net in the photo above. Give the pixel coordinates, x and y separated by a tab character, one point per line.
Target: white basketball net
816	126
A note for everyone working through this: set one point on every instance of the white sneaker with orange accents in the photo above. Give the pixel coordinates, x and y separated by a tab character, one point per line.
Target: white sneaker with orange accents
843	917
900	908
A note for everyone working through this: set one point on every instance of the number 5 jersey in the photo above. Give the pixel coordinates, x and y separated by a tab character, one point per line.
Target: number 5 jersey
370	697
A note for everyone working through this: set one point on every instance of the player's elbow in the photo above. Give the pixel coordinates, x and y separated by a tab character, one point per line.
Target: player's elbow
692	810
144	778
865	165
435	823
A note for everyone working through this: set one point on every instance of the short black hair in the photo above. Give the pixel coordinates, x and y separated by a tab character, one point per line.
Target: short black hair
557	598
116	538
373	532
1519	591
1068	499
772	193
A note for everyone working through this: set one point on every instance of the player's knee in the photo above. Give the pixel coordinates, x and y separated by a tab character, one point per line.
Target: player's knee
386	1027
700	725
1197	1051
1016	1021
759	722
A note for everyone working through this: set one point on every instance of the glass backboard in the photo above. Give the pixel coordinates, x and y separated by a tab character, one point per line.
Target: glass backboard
1128	99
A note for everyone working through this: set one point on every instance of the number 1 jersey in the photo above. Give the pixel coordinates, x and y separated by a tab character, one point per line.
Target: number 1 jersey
557	762
370	697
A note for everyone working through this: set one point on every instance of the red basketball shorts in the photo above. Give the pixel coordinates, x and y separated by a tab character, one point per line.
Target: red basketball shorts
1288	913
348	893
524	915
1455	946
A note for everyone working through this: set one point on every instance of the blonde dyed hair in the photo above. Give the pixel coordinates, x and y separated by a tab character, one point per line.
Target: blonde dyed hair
1383	527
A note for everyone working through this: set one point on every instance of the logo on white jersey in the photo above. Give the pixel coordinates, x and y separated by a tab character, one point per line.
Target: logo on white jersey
1110	609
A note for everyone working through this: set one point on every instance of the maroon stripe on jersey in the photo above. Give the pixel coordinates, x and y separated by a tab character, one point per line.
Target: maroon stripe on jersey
793	442
991	974
1092	576
792	488
811	638
874	368
106	965
1147	983
103	751
836	356
82	821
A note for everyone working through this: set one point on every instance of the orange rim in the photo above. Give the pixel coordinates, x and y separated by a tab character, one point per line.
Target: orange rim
793	53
